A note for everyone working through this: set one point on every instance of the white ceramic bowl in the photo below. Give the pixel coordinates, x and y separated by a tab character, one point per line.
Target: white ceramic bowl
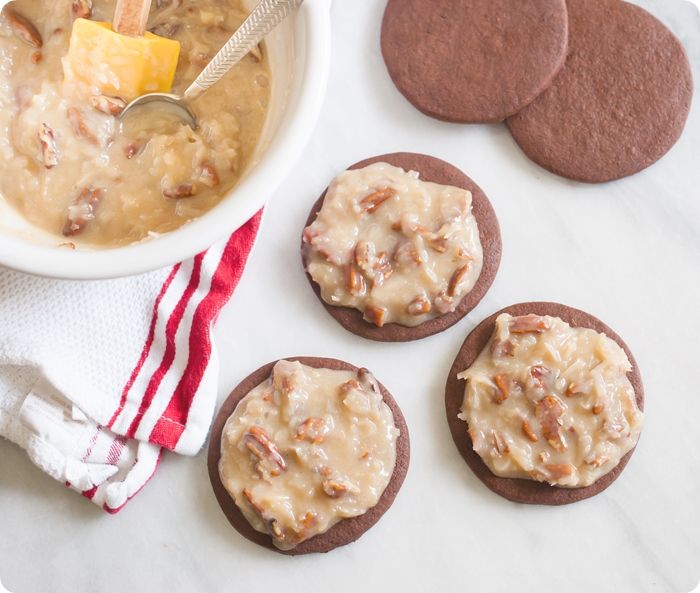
299	52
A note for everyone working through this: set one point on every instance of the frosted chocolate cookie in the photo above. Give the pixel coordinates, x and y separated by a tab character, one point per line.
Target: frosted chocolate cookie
620	102
545	403
473	60
307	454
401	246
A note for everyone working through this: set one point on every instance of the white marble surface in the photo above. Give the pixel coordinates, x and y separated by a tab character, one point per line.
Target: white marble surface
628	252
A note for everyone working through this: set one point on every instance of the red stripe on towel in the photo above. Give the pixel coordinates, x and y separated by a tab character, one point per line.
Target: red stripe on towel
146	347
169	354
171	424
89	494
115	450
91	446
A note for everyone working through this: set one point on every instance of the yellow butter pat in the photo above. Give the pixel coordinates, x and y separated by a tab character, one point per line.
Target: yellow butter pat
119	65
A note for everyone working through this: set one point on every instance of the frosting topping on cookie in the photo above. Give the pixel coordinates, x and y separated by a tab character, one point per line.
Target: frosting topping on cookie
549	402
307	448
399	249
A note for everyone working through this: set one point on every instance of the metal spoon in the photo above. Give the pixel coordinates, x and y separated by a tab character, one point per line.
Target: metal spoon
264	18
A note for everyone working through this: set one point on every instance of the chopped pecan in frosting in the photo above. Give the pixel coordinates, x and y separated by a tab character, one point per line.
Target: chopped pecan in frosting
307	448
550	402
414	244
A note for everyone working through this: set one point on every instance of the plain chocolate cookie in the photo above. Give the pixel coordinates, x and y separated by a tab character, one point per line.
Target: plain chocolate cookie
437	171
620	102
515	489
473	61
343	532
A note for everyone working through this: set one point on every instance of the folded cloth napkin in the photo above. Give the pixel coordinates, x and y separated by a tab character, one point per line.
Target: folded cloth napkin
96	378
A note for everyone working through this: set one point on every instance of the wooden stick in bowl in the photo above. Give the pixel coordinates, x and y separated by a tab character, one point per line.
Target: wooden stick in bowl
130	17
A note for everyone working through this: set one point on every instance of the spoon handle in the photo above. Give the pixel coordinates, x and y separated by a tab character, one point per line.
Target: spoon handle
130	17
264	18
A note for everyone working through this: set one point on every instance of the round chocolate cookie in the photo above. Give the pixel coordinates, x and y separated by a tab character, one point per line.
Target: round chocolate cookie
343	532
515	489
437	171
620	102
473	61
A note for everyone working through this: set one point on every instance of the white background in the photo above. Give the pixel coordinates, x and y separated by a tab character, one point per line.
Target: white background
628	252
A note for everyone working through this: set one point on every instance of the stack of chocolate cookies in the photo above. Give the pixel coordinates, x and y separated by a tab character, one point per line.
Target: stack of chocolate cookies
592	90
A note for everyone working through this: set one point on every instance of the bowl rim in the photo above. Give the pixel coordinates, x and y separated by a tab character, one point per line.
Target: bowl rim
312	47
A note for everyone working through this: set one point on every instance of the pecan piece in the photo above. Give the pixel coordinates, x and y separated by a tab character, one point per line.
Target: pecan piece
132	149
381	269
529	432
501	348
307	522
419	306
371	202
456	279
598	409
444	303
22	27
557	471
82	211
184	190
502	392
81	9
354	281
549	411
289	384
375	315
270	459
209	175
408	253
49	148
289	536
363	255
598	461
349	385
409	225
573	389
528	324
334	488
439	244
313	430
319	242
367	380
292	536
108	105
36	57
463	254
277	532
80	128
539	374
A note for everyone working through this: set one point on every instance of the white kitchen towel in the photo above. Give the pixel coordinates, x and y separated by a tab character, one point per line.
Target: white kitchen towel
96	378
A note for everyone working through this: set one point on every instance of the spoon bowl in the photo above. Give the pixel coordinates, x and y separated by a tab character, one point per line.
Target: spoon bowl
260	22
174	105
